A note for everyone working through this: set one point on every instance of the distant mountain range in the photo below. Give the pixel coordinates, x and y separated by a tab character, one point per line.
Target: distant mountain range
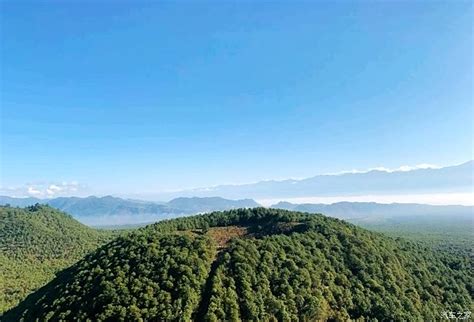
457	178
111	210
371	211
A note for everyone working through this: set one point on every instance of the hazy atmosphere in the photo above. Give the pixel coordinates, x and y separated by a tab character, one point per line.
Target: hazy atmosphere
236	160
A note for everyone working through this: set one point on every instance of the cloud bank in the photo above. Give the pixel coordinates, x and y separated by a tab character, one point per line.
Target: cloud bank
45	190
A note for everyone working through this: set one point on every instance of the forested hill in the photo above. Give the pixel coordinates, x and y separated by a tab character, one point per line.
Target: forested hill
254	264
35	242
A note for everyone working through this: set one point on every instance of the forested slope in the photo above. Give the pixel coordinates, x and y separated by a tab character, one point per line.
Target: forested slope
279	265
36	242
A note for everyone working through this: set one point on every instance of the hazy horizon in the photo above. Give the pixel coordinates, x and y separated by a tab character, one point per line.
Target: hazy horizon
454	195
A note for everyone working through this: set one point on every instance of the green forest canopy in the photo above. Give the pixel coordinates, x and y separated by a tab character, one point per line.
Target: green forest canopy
280	265
36	242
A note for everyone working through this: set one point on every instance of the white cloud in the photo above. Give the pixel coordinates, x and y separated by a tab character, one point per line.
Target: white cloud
34	192
45	190
416	167
54	189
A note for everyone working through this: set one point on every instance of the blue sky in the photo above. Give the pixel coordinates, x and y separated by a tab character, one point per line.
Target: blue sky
147	96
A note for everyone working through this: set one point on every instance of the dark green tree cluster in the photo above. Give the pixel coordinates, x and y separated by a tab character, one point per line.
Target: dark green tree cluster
260	220
289	266
36	242
140	276
336	274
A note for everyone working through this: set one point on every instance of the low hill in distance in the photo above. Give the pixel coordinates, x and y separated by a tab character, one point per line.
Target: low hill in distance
254	264
372	211
448	227
195	205
36	242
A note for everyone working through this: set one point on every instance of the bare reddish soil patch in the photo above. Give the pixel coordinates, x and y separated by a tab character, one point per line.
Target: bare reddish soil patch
222	235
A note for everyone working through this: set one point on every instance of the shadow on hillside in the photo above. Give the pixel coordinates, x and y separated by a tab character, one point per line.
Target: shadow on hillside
30	306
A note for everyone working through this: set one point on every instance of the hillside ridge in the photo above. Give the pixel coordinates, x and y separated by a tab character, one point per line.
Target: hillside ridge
35	243
288	265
